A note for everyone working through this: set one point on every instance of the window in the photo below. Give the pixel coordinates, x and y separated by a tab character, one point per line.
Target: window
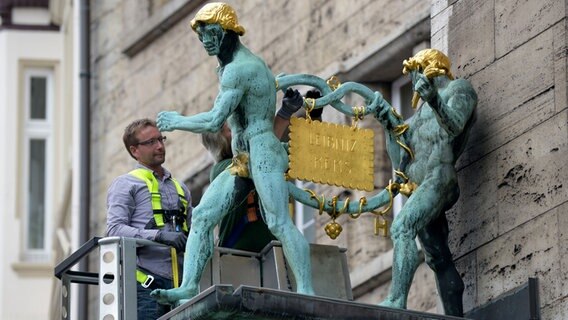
38	132
401	90
402	96
304	216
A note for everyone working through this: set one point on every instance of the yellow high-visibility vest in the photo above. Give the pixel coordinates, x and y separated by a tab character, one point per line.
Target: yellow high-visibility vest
156	199
152	183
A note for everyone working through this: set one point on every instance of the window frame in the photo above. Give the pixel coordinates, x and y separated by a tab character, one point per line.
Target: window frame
38	129
396	98
299	215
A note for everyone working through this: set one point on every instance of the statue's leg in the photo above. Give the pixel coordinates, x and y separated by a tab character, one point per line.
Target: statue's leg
434	239
268	162
421	208
405	259
215	203
273	192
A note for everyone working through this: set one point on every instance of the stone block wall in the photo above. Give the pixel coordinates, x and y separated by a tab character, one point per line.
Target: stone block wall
509	222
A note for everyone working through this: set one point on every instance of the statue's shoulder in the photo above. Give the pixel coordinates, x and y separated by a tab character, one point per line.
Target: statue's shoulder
249	65
247	59
236	73
461	86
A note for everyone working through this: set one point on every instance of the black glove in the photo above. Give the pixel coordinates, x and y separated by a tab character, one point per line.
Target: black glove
174	239
291	102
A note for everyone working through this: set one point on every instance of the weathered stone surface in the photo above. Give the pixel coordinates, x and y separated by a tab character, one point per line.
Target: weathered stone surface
560	39
467	267
505	90
439	29
423	294
518	21
528	250
107	29
532	173
437	7
473	220
471	51
376	295
555	311
134	15
562	211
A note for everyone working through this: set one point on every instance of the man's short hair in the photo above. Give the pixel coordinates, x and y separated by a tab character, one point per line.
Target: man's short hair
129	136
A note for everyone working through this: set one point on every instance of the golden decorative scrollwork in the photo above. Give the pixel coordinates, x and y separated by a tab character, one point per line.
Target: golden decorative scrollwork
396	114
381	224
239	166
310	104
358	114
333	83
333	229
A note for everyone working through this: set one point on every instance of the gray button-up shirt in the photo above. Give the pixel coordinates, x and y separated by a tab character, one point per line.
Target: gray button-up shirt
129	209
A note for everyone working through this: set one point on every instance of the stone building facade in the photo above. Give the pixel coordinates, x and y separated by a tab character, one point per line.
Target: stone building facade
508	223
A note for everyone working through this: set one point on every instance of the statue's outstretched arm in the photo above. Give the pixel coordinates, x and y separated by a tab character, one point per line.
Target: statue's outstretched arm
210	121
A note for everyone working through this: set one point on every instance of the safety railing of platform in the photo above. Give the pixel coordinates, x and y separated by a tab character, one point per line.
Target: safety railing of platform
116	277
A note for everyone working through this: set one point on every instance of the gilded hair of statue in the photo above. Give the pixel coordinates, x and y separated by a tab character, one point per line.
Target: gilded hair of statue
432	63
221	13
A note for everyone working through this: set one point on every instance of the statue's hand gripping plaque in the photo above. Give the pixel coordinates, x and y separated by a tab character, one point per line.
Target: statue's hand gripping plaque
332	154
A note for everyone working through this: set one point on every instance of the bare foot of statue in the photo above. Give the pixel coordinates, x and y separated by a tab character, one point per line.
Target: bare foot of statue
173	296
393	303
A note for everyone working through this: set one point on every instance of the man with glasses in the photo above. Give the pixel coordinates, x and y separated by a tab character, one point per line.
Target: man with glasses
148	203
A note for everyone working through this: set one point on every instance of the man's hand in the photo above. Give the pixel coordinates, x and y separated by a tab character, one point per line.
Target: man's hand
173	239
291	103
166	120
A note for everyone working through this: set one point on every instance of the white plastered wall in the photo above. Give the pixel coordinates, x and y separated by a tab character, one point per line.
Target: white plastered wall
25	284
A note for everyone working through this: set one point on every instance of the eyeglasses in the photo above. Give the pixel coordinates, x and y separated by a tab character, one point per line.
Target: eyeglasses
153	141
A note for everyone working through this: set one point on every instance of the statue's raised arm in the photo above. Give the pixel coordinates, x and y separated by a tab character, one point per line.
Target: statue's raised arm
229	97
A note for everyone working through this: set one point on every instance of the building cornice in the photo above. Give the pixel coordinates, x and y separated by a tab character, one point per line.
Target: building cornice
159	23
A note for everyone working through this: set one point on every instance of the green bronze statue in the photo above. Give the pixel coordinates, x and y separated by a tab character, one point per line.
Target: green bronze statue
436	136
246	99
423	151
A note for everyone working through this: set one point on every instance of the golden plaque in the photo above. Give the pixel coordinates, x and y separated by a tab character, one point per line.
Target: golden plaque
332	154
